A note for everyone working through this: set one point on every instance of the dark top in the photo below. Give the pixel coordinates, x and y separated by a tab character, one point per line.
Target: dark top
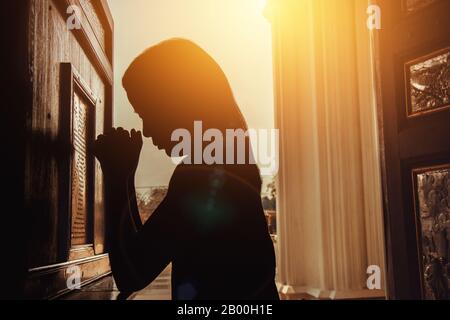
211	226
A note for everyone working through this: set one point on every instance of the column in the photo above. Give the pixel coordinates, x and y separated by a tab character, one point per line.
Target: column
329	206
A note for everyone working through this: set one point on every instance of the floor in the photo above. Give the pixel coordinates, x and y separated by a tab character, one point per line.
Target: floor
105	289
160	289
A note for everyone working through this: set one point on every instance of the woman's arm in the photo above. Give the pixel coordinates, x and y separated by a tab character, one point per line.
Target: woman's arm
136	253
132	199
137	256
121	234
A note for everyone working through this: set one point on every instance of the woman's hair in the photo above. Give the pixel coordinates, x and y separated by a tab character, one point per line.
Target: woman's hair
179	78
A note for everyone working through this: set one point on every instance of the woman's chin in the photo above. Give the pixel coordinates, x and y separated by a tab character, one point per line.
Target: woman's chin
166	151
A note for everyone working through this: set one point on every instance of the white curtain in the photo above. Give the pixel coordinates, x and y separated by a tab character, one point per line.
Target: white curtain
330	223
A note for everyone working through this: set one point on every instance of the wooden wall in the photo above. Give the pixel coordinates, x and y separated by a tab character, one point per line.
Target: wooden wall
50	44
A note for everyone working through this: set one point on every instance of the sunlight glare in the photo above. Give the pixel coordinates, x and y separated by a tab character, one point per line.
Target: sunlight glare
262	4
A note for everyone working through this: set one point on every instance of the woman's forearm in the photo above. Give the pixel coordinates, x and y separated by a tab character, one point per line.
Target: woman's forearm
132	201
118	153
121	234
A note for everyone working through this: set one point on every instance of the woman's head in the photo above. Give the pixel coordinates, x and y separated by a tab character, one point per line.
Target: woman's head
175	83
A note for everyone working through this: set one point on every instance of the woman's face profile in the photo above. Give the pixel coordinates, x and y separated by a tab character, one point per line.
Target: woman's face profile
176	83
156	124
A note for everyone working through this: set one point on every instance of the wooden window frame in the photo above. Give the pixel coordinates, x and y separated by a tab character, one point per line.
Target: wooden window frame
71	83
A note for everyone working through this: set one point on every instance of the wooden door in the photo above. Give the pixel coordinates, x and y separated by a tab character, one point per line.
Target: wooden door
413	50
70	70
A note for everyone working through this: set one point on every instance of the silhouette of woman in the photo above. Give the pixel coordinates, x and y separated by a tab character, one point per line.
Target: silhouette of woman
211	225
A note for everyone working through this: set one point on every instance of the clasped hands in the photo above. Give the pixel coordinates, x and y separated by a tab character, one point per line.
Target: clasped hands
118	152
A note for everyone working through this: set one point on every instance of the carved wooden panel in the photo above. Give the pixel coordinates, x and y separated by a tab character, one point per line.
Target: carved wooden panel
414	133
428	83
411	6
432	192
79	172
